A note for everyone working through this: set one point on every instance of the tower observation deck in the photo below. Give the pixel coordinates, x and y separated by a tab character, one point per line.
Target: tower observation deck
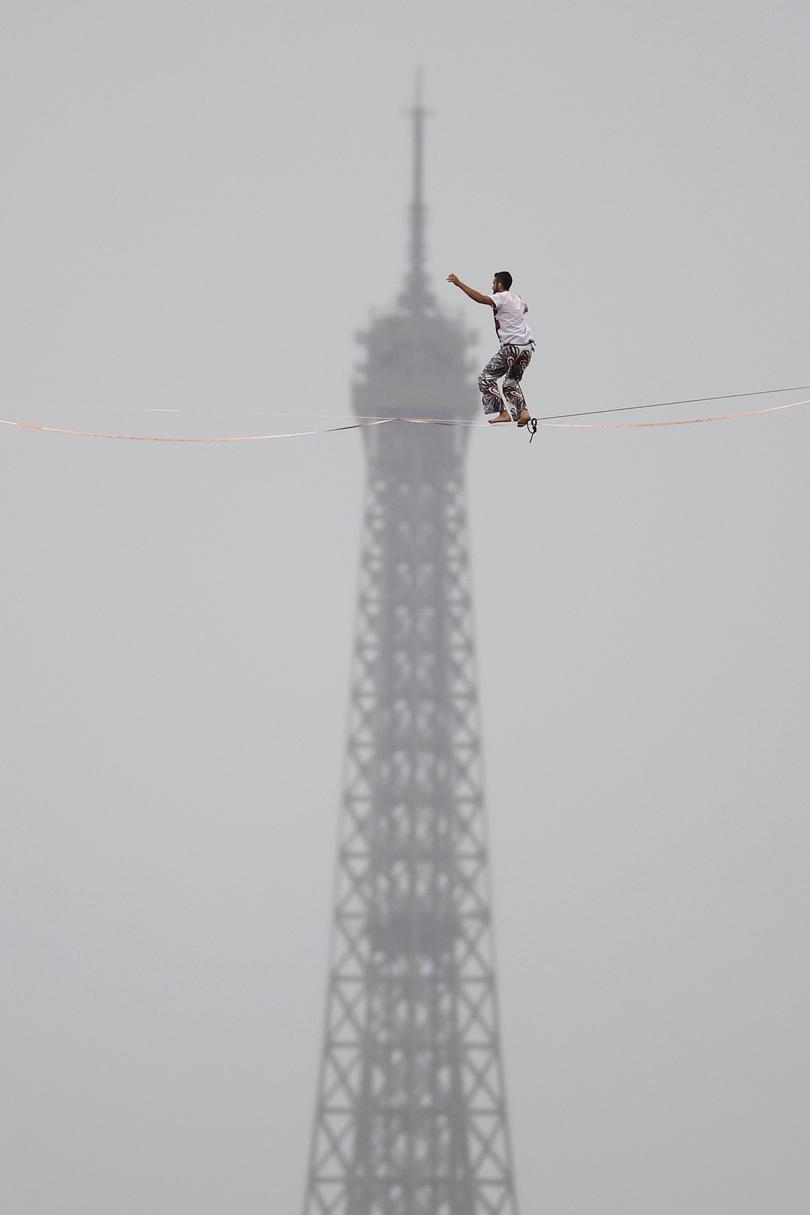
410	1114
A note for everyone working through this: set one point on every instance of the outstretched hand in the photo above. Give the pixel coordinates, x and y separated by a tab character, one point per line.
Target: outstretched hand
453	278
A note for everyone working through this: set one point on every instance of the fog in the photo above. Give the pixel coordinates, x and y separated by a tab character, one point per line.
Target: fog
202	205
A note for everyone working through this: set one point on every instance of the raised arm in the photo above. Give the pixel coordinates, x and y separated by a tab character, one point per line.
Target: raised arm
471	291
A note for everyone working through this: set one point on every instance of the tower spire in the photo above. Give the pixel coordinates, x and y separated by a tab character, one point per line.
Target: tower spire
416	290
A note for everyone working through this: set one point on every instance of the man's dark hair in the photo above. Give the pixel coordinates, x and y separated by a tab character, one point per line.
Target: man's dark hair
504	278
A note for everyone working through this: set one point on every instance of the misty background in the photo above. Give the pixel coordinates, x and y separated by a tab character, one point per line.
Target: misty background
201	205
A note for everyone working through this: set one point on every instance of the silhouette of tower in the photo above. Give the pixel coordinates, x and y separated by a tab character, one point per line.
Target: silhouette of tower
411	1116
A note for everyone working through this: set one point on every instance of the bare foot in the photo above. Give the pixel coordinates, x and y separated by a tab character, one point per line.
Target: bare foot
525	418
503	416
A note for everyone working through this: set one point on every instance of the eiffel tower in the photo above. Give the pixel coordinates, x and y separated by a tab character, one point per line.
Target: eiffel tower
411	1116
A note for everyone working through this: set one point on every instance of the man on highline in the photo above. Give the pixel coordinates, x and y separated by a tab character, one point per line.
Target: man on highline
514	355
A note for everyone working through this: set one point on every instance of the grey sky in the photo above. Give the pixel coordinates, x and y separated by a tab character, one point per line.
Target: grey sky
201	205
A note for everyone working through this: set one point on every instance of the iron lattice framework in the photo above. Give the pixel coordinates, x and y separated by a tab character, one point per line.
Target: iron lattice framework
411	1116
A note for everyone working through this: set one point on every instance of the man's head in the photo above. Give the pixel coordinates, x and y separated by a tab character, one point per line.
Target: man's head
502	281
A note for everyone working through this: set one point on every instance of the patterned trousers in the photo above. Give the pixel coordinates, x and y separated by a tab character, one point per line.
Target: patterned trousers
510	362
